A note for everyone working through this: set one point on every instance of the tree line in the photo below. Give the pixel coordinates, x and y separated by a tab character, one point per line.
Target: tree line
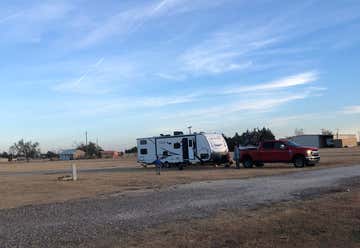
31	150
249	138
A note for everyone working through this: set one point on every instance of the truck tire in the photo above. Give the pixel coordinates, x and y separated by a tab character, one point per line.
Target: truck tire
259	164
180	166
299	161
248	163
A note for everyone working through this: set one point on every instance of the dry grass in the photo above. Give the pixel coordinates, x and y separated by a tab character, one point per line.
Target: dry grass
24	190
332	221
127	161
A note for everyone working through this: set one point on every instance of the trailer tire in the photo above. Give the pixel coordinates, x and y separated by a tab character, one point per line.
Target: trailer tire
167	165
248	163
180	166
299	161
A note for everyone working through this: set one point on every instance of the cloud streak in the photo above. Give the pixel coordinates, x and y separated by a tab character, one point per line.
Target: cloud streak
286	82
225	52
128	21
351	110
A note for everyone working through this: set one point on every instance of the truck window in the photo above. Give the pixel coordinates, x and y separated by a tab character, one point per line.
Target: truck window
143	151
279	145
268	146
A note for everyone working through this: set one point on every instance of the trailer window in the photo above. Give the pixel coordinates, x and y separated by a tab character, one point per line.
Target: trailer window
177	145
143	151
143	142
190	143
166	154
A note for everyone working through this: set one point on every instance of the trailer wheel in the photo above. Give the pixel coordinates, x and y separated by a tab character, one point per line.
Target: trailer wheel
299	162
180	166
248	163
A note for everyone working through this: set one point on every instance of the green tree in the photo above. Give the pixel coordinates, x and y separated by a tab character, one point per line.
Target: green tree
26	149
253	137
4	155
132	150
51	155
91	150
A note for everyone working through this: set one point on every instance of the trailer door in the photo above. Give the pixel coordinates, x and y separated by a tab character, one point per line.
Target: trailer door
185	148
191	150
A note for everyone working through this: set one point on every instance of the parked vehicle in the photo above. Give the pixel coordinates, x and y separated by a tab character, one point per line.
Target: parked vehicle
279	151
182	149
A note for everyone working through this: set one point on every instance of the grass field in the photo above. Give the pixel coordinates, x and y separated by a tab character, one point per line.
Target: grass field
18	190
332	220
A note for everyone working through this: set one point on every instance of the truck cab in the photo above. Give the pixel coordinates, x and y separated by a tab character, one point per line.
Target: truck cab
280	151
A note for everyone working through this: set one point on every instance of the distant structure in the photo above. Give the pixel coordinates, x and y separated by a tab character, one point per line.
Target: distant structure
110	154
71	154
346	140
314	140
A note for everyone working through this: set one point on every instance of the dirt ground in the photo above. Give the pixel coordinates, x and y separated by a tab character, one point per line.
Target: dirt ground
331	221
19	190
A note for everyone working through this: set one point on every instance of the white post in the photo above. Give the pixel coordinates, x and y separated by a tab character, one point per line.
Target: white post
74	172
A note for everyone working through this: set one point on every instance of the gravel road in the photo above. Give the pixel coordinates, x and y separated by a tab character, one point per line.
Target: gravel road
87	221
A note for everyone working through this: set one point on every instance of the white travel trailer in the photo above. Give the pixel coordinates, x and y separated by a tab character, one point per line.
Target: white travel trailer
181	149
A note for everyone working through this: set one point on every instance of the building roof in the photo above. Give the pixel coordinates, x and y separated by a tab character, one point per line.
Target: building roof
68	151
324	135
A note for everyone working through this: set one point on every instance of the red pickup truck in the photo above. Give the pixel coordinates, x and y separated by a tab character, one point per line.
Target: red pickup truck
282	151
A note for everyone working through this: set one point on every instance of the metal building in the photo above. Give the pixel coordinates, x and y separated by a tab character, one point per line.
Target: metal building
71	154
346	140
314	140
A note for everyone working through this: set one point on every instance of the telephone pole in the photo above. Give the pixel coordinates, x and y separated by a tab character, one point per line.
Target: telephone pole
86	138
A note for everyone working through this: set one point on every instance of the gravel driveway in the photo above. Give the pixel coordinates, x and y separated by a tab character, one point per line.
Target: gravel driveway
83	222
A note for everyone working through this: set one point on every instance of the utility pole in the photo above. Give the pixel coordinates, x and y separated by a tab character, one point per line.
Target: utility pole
86	138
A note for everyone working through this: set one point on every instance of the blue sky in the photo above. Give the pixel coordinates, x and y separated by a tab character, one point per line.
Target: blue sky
126	69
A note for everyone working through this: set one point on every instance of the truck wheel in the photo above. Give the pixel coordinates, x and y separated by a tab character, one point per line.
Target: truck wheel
248	163
259	165
299	162
180	166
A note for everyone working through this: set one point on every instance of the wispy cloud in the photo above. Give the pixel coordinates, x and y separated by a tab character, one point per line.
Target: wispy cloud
171	77
286	82
129	20
225	51
102	77
246	105
10	17
351	109
31	21
77	85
